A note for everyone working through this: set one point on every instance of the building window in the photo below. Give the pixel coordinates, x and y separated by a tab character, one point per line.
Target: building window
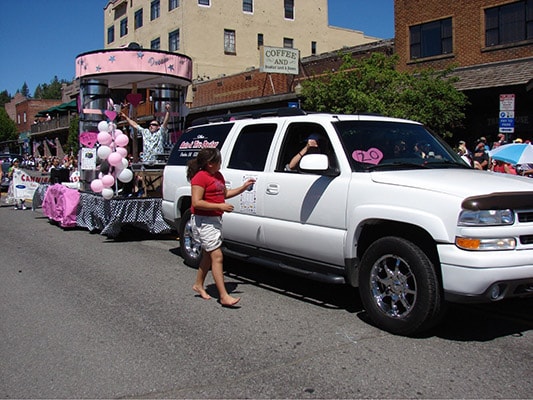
509	23
138	18
25	117
289	9
431	39
229	42
155	44
260	40
120	11
174	40
204	2
154	9
111	34
123	27
172	4
313	48
248	6
288	43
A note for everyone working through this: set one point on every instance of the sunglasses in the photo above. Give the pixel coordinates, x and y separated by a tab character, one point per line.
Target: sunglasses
154	124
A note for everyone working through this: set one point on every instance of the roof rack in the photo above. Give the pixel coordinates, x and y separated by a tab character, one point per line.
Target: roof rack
253	114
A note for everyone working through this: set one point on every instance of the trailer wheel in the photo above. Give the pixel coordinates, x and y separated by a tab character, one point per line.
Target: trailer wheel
190	250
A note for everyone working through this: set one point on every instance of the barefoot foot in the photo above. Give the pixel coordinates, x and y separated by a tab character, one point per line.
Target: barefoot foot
201	291
229	301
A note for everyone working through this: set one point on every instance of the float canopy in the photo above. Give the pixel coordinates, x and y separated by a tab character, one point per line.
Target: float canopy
125	68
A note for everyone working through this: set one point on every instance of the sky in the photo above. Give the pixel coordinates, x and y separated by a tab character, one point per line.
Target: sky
40	39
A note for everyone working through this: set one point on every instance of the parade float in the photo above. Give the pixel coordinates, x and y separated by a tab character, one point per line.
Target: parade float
112	82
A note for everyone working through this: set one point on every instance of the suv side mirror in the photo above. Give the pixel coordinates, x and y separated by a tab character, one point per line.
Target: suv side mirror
316	164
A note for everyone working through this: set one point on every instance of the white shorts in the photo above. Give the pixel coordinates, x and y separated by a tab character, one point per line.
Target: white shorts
207	231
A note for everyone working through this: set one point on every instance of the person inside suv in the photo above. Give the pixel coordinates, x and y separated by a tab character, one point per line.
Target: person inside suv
311	147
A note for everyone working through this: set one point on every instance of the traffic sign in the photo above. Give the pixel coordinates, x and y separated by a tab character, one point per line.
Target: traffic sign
507	102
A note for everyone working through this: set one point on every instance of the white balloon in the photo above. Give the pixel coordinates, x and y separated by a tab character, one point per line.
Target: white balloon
125	176
103	152
120	167
103	126
107	193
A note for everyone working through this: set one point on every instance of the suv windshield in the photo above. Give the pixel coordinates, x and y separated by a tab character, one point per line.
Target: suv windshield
376	145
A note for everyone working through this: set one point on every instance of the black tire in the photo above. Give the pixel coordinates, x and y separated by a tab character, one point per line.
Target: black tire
399	287
189	249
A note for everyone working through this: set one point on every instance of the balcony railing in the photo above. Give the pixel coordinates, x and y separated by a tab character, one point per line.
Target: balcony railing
59	123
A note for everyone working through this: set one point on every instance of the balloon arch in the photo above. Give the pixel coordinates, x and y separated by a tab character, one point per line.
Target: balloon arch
100	73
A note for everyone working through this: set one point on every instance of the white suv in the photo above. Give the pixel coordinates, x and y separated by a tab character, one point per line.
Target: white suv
386	207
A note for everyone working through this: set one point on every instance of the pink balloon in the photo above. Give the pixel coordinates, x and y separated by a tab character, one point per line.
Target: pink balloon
121	140
118	132
123	152
114	158
104	138
97	185
108	180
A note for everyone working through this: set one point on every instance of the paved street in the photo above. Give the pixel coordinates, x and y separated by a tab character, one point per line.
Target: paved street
83	316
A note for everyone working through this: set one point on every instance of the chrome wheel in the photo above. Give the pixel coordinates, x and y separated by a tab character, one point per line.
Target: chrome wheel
399	286
393	286
191	251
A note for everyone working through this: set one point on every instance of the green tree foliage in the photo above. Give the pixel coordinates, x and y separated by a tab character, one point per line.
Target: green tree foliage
73	141
5	97
49	91
373	85
8	129
25	91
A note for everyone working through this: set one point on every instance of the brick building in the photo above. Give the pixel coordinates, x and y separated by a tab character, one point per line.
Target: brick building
489	43
254	89
23	110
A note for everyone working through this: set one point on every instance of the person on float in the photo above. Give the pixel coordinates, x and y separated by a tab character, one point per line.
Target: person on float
152	136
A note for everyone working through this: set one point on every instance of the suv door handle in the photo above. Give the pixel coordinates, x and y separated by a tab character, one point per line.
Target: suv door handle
272	188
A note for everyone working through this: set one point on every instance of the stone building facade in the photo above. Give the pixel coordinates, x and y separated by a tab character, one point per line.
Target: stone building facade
224	37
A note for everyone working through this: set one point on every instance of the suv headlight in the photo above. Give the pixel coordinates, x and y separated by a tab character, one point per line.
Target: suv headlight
486	217
480	218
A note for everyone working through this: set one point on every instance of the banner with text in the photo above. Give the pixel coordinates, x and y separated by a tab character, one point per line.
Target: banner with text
25	182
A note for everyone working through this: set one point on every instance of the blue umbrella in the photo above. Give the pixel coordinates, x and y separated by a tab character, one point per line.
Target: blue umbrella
513	153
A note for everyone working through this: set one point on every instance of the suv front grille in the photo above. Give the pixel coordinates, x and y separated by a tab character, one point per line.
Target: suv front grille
525	216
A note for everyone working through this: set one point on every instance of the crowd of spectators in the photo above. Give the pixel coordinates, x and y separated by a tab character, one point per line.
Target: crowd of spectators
480	157
45	164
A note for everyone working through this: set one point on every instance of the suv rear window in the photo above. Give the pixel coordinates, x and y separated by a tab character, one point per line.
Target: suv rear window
195	139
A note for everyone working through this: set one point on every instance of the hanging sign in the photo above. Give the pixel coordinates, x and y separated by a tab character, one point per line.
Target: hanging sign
279	60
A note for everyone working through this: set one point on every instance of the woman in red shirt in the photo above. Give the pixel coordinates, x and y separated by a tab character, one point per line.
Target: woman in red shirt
503	167
208	195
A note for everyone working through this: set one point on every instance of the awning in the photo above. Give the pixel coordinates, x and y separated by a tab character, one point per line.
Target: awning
484	76
63	108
